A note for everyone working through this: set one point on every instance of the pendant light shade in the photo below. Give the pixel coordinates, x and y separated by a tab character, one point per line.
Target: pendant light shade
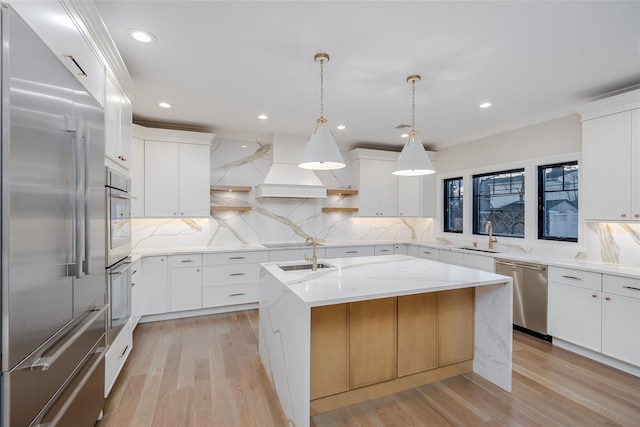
413	160
322	152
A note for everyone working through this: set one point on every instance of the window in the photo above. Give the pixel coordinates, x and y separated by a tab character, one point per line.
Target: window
453	205
499	197
558	202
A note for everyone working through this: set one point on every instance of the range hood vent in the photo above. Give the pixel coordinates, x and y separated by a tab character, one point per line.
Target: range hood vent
285	179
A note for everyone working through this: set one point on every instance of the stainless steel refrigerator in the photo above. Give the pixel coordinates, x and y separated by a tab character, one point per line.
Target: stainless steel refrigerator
53	238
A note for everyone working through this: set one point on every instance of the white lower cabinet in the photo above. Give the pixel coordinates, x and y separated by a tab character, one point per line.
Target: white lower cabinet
451	257
117	355
137	294
185	282
575	306
621	318
574	315
155	285
231	278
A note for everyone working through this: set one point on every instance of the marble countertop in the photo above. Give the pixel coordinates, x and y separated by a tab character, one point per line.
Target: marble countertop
363	278
597	267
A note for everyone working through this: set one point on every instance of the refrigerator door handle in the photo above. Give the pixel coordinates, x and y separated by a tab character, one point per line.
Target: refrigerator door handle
87	187
79	200
45	362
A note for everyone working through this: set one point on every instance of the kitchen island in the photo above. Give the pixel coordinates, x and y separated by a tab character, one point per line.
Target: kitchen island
356	329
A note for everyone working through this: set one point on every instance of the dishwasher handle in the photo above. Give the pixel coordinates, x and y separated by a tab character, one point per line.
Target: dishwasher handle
517	264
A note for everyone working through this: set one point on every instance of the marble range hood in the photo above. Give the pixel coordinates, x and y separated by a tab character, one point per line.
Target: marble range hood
285	179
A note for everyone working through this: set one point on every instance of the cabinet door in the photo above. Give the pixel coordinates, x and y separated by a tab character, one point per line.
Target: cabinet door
194	178
408	196
372	342
606	167
455	326
417	333
155	286
387	188
185	285
160	179
575	315
621	328
126	125
112	121
368	191
137	177
428	196
329	350
635	164
137	294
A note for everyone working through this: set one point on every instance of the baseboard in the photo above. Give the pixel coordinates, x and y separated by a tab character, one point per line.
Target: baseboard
194	313
598	357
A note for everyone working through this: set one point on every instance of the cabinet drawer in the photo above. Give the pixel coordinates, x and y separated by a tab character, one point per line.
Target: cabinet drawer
428	253
188	260
621	285
230	273
350	251
236	257
216	296
295	254
451	257
481	262
116	356
384	249
570	276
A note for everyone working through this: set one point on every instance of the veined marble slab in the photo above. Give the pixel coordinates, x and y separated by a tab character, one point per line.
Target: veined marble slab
286	299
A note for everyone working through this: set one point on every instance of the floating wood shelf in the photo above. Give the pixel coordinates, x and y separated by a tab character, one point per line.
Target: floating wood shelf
341	191
339	210
230	188
230	208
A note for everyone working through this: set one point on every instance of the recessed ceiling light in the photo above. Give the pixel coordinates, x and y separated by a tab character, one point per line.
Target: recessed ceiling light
485	105
404	135
164	105
263	117
142	36
243	146
341	127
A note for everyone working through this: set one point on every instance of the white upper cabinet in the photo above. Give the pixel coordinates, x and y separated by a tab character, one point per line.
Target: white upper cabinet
66	41
118	118
382	194
176	173
611	159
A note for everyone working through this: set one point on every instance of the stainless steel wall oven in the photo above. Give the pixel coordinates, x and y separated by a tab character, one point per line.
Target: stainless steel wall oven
118	248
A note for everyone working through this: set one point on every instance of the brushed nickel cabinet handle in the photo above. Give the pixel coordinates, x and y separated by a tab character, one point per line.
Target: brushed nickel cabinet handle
631	288
237	294
351	252
236	257
236	274
571	277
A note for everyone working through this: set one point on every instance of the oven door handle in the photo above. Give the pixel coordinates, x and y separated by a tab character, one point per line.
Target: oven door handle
125	196
121	268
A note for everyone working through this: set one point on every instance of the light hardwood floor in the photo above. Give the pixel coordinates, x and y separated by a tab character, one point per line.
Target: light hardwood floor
206	371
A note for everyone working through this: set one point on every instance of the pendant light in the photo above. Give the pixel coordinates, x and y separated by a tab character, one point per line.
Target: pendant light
413	159
321	152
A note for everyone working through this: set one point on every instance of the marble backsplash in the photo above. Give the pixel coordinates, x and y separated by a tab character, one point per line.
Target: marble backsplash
246	163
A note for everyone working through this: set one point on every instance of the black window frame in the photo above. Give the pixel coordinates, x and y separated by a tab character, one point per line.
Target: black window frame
476	195
541	200
445	201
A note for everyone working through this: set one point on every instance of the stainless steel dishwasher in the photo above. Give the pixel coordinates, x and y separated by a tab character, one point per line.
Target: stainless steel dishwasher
530	288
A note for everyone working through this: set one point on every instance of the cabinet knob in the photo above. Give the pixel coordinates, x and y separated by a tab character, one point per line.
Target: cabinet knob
607	298
133	284
198	270
623	215
636	216
594	296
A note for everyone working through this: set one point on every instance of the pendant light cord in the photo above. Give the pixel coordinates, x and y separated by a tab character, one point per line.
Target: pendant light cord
413	105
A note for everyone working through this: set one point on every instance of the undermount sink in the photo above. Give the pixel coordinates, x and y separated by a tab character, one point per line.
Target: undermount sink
306	266
469	248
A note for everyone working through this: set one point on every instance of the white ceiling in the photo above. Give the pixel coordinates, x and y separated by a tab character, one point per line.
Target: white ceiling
222	63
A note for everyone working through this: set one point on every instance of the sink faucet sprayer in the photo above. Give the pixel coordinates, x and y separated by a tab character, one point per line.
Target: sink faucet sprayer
314	257
489	230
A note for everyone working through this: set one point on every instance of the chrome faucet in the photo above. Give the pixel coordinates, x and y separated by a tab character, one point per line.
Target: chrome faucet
314	257
489	230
